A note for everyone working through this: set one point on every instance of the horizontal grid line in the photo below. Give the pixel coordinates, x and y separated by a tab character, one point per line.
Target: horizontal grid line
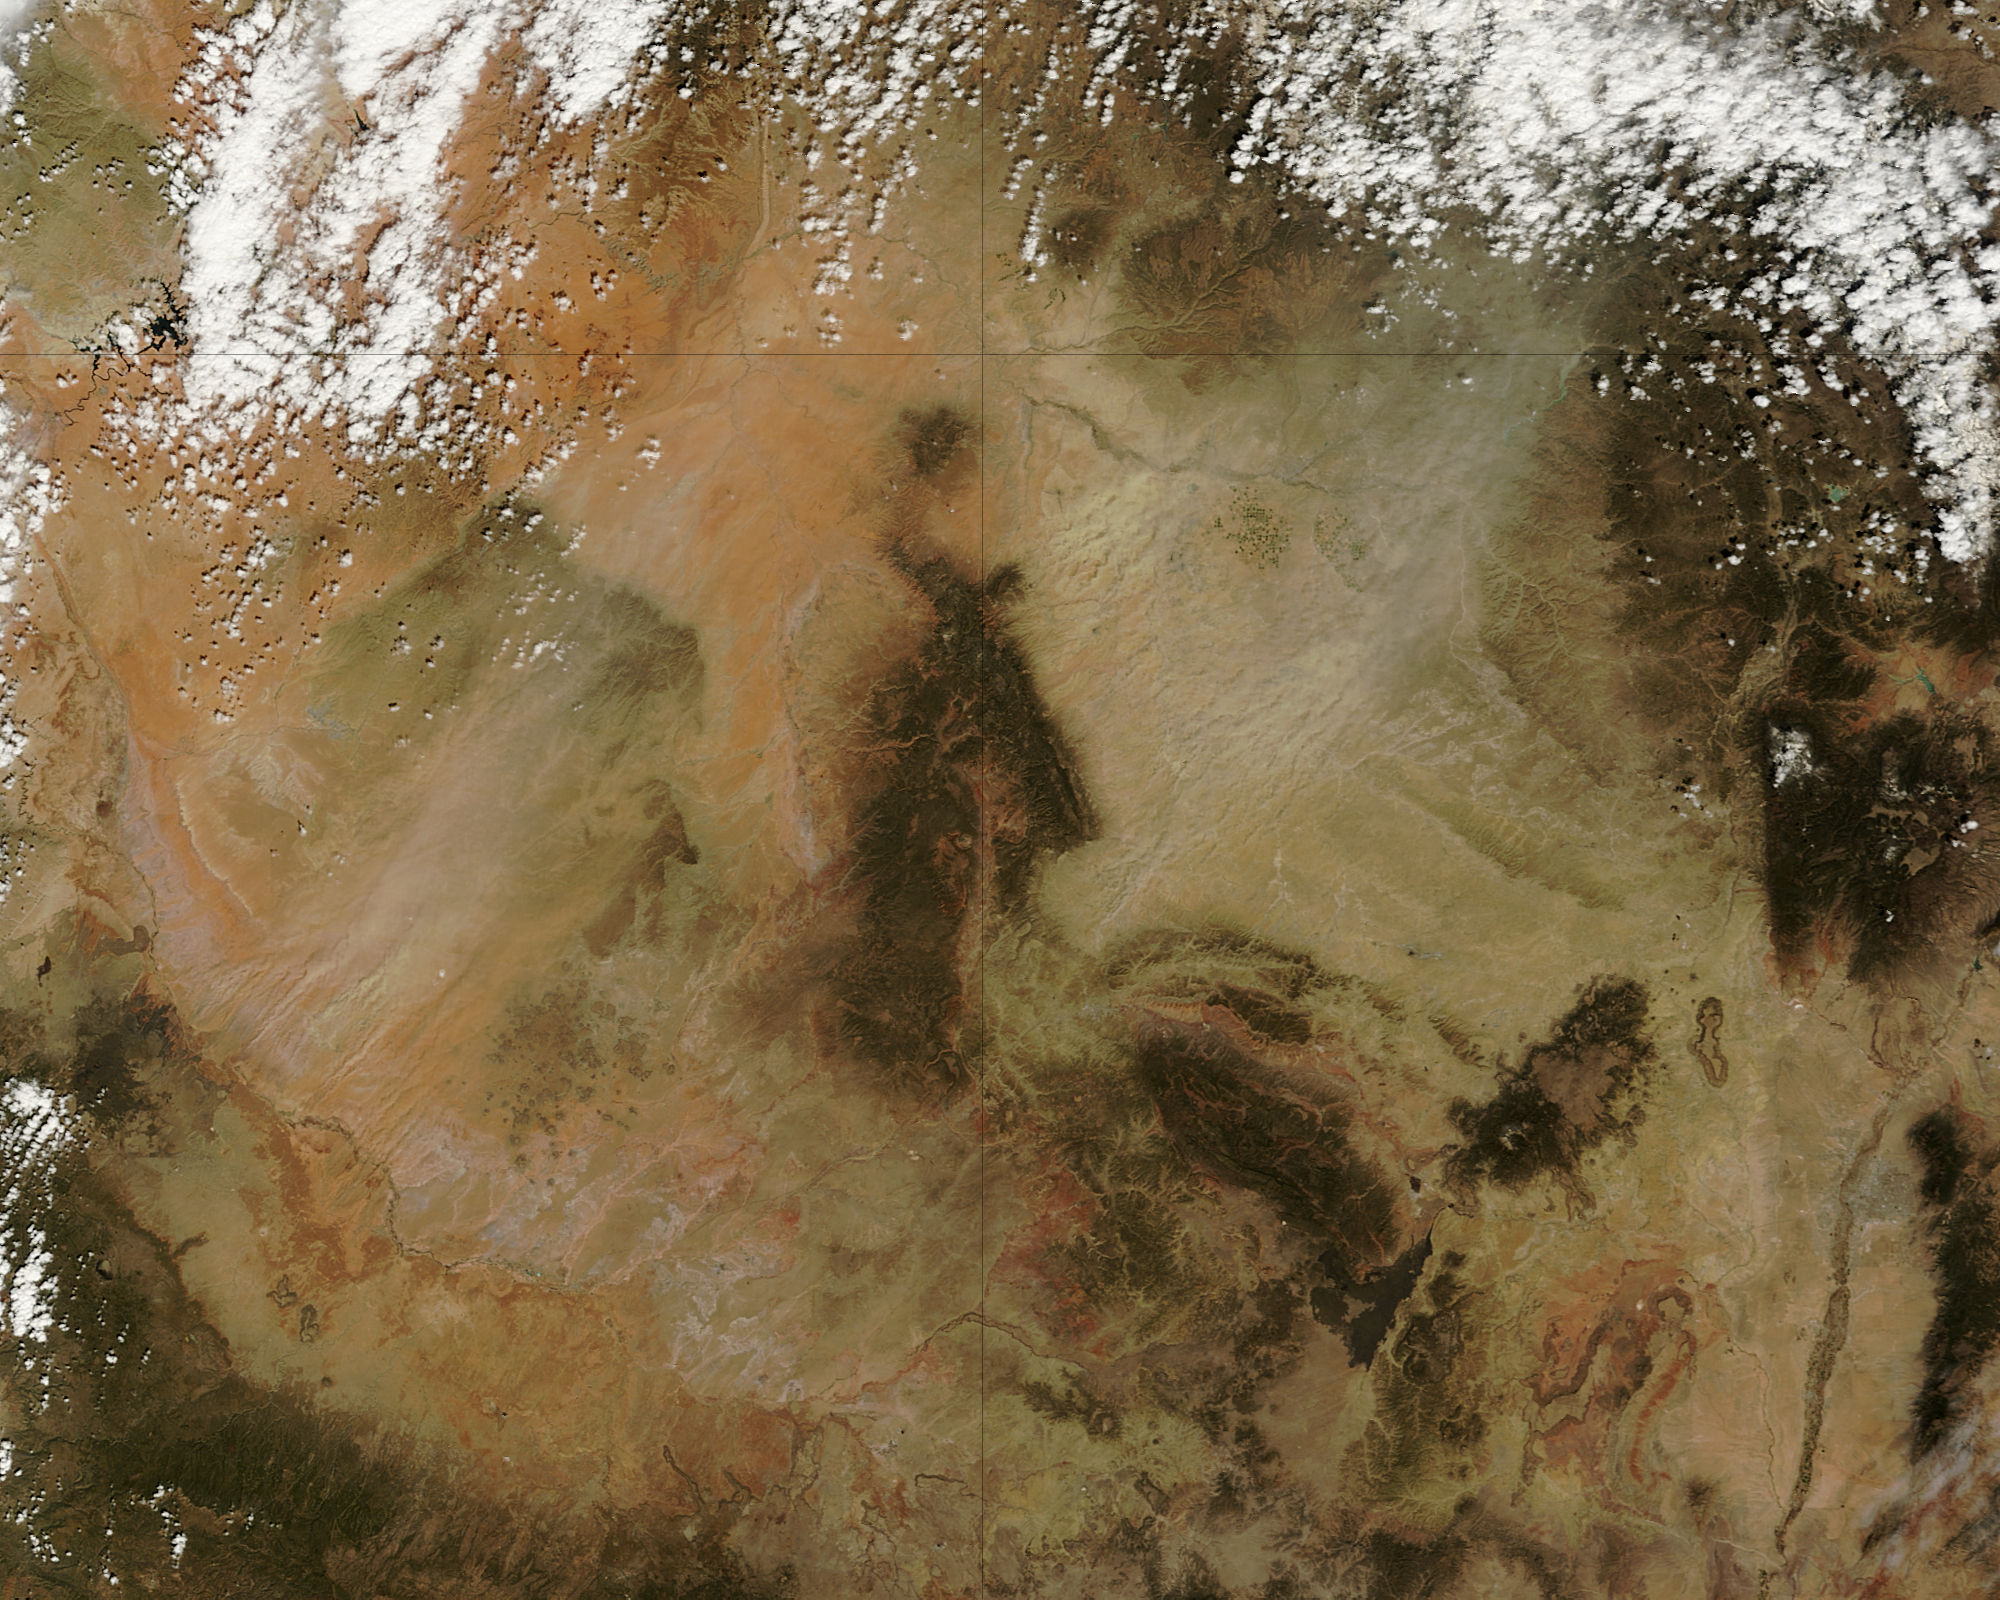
914	355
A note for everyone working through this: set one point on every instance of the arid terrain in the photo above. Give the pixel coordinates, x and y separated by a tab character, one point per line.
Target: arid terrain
837	802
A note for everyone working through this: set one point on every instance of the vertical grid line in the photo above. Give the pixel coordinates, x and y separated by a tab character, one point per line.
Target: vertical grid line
985	783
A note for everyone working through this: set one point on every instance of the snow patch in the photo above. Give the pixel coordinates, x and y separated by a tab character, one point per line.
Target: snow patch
1791	756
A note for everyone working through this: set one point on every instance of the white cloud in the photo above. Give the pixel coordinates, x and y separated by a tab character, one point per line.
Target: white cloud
587	47
29	491
1552	118
21	22
1557	120
333	305
34	1129
319	273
